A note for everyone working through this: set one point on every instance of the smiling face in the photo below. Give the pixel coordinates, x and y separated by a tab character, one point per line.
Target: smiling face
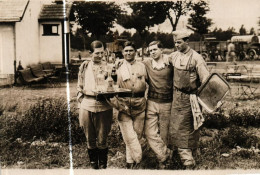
181	45
155	52
129	53
98	54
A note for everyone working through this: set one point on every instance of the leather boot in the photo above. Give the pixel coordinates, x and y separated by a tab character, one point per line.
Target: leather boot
93	158
102	158
130	165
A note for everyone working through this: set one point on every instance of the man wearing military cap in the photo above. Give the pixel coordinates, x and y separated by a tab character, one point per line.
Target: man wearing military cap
190	71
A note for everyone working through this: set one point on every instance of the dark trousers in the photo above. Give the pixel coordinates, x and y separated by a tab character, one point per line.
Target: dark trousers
96	127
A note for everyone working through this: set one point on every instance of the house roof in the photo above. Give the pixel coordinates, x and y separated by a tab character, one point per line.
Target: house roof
55	12
12	10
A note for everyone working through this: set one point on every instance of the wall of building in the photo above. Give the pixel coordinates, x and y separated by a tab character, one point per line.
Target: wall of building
6	48
51	46
27	34
6	53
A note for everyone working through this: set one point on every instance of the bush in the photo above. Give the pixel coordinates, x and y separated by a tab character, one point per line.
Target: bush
238	136
245	117
246	154
216	120
47	119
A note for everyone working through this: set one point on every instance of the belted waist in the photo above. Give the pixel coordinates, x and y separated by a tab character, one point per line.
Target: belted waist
130	94
156	95
185	91
96	97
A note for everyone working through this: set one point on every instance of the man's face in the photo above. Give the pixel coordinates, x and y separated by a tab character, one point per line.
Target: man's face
181	45
98	54
155	52
129	53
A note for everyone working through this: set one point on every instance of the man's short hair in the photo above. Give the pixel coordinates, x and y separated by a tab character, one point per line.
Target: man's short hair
185	39
158	43
96	44
129	43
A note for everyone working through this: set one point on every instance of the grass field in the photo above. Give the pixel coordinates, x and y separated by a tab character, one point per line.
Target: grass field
219	148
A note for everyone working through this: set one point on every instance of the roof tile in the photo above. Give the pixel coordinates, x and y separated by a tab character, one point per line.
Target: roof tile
12	10
55	12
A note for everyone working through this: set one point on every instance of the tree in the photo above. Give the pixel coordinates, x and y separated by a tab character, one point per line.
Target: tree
197	20
223	35
174	10
252	31
242	30
126	34
96	18
144	15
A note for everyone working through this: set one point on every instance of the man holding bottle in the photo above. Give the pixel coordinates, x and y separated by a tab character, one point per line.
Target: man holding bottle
95	114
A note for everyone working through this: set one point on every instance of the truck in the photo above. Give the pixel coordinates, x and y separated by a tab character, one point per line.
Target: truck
247	46
210	49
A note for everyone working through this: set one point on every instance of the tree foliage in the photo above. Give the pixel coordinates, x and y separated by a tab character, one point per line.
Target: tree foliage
144	15
223	35
242	30
176	9
252	31
199	22
96	18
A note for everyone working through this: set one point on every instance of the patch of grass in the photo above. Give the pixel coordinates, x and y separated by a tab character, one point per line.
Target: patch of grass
47	119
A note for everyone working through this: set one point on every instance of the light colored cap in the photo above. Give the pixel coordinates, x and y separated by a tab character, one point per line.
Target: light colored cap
180	34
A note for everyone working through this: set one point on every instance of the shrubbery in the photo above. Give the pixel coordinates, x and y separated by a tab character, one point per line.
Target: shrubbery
48	119
238	136
245	117
216	120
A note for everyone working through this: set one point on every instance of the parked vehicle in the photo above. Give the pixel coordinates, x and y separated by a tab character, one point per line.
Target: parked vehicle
210	49
247	46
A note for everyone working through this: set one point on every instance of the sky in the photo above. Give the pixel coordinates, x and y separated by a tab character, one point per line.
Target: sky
234	13
224	14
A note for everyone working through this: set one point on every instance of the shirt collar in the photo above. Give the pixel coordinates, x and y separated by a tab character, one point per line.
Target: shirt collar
162	64
130	63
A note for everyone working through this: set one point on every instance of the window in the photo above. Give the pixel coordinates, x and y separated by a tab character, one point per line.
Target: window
50	29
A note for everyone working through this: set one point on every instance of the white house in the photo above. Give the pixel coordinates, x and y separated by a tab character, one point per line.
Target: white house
32	31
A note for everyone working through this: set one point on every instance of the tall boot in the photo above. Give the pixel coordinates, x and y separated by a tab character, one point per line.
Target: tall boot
93	158
102	158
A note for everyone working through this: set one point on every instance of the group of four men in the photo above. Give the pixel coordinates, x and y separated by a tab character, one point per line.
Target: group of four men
164	116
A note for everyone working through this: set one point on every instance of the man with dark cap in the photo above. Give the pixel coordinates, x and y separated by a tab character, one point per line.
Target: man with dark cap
190	71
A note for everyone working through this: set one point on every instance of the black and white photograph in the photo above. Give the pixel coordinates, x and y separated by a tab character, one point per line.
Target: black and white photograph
130	87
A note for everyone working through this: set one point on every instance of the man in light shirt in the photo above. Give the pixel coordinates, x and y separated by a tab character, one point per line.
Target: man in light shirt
190	71
131	75
95	114
231	54
158	112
